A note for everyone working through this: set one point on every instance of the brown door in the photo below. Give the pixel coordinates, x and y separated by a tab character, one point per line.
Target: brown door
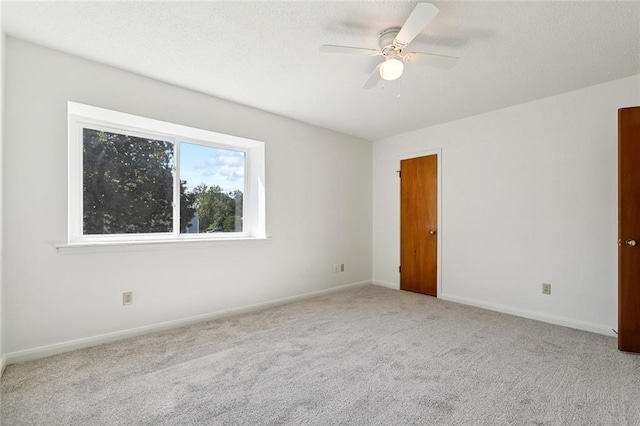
629	229
418	225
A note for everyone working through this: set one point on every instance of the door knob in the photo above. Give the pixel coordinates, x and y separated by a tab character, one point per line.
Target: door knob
432	232
631	243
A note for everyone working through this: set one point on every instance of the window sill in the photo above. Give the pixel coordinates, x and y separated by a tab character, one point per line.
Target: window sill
125	246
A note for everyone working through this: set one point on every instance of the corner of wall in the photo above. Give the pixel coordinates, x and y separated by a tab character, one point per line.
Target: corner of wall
386	284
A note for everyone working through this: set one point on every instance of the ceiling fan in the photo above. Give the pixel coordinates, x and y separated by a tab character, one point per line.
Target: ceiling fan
392	43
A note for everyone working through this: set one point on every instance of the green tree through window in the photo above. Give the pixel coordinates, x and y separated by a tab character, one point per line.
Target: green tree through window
128	188
218	211
128	185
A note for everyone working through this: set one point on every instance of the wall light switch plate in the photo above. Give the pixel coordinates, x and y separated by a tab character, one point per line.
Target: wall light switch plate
127	298
546	288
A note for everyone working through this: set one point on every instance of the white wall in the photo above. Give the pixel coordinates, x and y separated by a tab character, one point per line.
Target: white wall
529	195
318	211
2	47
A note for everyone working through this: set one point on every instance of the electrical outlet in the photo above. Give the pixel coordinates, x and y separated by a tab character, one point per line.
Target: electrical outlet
127	298
342	267
336	268
546	288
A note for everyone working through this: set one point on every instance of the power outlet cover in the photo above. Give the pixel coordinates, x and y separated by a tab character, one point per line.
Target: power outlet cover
127	298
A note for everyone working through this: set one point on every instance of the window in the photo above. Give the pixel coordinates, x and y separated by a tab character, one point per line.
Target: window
135	179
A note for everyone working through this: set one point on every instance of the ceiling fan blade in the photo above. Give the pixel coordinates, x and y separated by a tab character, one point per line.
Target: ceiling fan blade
422	14
439	61
373	79
329	48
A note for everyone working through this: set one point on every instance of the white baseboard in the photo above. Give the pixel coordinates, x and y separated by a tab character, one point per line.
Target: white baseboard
386	284
3	364
71	345
538	316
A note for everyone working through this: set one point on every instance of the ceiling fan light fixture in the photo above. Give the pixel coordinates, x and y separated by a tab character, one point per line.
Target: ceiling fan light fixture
391	69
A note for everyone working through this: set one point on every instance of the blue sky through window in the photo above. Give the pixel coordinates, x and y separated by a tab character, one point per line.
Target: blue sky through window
211	166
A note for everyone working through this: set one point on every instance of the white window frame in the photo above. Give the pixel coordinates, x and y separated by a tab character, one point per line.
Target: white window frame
82	116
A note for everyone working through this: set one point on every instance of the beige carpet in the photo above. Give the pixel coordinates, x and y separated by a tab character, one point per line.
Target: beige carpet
364	356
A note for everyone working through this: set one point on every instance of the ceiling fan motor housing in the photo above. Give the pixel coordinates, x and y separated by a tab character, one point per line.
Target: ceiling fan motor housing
386	41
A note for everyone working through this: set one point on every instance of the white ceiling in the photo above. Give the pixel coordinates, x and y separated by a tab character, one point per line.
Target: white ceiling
265	54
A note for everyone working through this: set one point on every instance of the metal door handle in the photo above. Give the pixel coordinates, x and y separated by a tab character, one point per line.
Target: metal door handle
630	243
432	232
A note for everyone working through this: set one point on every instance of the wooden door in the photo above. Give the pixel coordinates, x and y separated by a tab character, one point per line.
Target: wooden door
418	225
629	229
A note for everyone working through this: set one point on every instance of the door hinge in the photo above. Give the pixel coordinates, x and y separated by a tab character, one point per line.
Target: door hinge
399	173
399	268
